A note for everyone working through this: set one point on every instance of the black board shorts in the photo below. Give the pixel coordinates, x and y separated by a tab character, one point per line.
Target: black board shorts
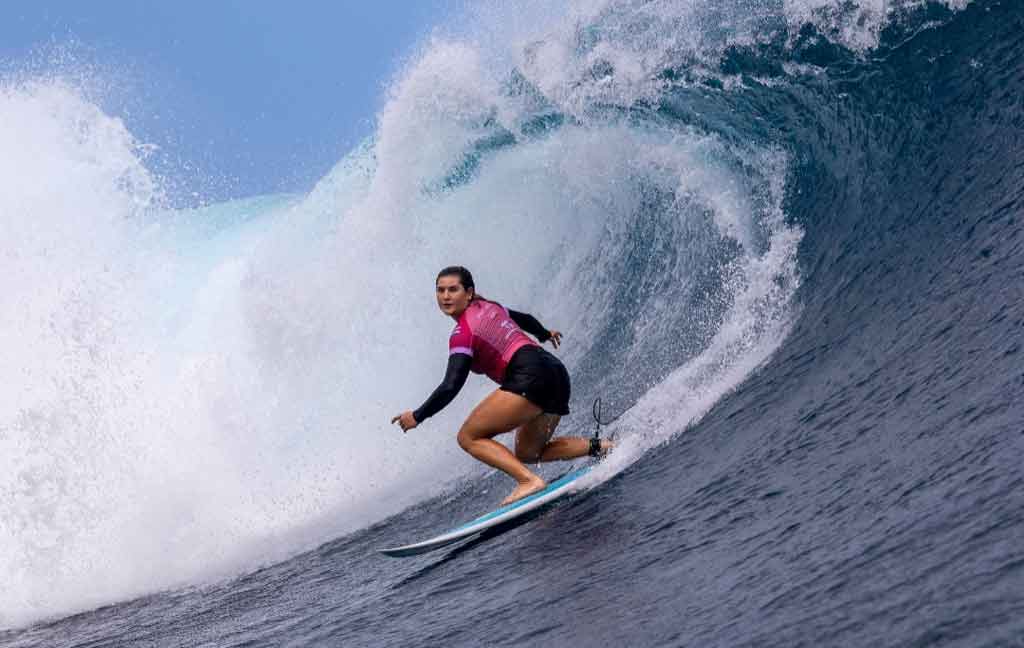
540	377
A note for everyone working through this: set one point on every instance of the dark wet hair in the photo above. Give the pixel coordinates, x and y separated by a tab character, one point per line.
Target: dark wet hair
464	275
465	278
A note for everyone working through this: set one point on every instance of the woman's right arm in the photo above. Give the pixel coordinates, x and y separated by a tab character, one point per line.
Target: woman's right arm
454	378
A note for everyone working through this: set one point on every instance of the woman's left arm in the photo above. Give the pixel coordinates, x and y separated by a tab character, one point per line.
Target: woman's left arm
530	324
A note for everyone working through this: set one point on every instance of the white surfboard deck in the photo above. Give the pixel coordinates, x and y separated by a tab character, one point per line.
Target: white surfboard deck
561	486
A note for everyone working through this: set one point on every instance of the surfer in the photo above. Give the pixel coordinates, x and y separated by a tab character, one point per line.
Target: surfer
534	385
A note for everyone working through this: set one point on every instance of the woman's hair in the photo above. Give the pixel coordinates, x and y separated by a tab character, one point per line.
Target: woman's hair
465	278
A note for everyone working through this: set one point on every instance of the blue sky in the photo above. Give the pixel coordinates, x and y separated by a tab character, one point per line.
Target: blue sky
242	97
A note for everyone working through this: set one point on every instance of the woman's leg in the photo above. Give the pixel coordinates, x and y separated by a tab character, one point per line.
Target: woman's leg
534	443
532	437
499	413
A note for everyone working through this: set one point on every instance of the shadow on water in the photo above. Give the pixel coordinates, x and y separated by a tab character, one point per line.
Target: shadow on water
486	536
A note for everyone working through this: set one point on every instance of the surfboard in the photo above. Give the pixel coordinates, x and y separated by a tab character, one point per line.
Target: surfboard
557	488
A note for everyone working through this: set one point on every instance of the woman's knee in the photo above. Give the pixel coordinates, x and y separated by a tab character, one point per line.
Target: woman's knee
465	437
470	433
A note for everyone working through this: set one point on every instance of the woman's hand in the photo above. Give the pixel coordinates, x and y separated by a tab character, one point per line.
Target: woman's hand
406	420
556	338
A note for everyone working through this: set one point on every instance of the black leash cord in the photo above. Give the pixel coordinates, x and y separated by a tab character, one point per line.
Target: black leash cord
597	417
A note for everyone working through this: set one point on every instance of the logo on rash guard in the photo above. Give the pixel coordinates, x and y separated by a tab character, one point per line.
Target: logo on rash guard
510	328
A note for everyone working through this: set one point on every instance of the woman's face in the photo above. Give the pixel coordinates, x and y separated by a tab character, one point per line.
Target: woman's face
452	298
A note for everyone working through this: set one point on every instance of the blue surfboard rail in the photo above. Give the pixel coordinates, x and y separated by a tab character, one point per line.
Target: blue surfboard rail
558	483
552	492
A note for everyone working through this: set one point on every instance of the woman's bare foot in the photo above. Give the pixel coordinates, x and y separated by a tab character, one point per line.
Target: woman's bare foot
525	489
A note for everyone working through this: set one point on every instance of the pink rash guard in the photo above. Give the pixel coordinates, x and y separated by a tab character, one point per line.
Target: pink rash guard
486	332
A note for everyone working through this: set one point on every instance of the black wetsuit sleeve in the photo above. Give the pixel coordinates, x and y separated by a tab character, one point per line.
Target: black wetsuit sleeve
530	324
454	379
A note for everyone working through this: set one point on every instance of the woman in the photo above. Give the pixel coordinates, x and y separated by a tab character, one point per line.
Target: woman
534	385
